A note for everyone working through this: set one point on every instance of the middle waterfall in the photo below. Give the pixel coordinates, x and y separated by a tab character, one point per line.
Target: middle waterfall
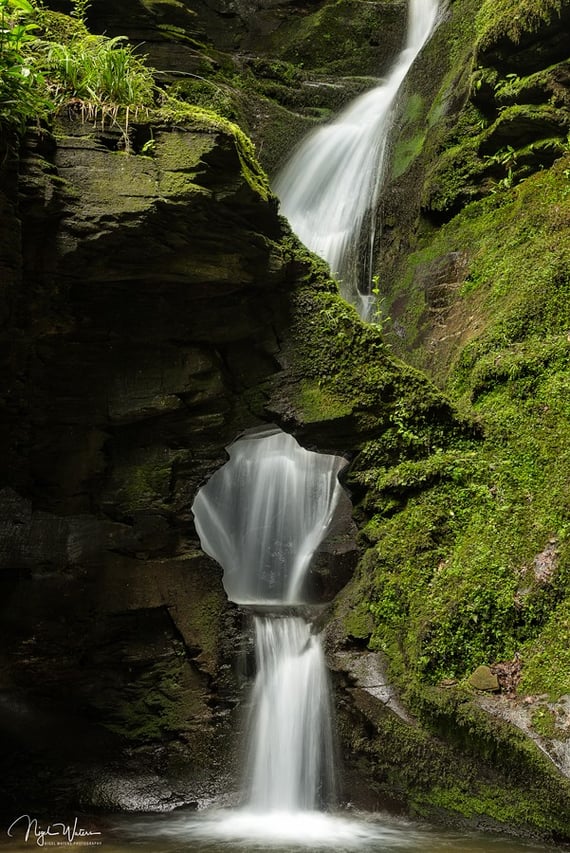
329	188
262	516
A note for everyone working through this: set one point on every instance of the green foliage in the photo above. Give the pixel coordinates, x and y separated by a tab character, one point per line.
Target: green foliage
512	18
22	94
103	76
79	9
454	537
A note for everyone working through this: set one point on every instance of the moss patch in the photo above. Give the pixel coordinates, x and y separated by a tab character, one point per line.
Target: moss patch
512	19
342	36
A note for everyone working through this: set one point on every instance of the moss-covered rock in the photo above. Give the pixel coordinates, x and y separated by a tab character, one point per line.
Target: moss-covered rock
450	762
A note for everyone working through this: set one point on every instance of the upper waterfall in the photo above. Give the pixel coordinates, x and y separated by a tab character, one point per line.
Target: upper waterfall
329	189
264	513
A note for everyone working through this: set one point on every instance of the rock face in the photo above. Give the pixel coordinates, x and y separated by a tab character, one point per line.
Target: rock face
141	311
149	319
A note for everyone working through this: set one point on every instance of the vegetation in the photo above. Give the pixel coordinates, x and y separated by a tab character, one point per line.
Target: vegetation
22	93
49	61
513	18
466	550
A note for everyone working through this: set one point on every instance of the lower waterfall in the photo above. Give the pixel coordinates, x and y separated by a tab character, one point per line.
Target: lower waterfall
262	516
291	761
270	499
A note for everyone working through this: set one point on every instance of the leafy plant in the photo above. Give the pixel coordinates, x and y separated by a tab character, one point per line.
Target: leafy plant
102	76
80	8
21	85
377	316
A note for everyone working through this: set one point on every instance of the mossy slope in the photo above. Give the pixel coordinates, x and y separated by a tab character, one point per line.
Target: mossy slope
465	546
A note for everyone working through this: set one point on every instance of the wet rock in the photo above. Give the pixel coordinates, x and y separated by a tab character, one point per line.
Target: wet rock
336	557
132	793
366	672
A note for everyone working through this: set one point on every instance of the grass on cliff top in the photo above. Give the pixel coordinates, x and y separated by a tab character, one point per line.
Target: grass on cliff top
50	62
468	550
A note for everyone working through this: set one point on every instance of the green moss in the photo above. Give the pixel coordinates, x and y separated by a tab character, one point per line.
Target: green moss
494	802
317	404
411	136
547	658
358	622
456	760
208	95
205	617
337	36
544	722
405	153
156	705
177	112
344	362
512	18
453	536
56	27
142	480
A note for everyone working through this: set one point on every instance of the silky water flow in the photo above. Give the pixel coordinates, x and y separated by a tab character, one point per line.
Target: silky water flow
330	187
262	516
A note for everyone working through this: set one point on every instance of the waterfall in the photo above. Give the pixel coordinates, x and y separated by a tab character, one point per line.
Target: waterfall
262	516
264	513
291	759
329	189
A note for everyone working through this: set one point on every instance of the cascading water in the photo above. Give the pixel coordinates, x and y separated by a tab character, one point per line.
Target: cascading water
262	516
291	760
330	187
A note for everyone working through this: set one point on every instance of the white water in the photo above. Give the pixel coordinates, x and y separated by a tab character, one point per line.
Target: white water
329	189
262	516
264	513
291	766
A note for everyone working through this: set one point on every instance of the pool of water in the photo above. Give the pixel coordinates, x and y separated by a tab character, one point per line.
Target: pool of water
231	831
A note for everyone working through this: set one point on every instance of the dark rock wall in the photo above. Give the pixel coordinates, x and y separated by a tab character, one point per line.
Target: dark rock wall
142	307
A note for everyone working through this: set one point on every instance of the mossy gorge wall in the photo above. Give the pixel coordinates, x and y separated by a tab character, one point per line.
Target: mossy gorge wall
154	305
